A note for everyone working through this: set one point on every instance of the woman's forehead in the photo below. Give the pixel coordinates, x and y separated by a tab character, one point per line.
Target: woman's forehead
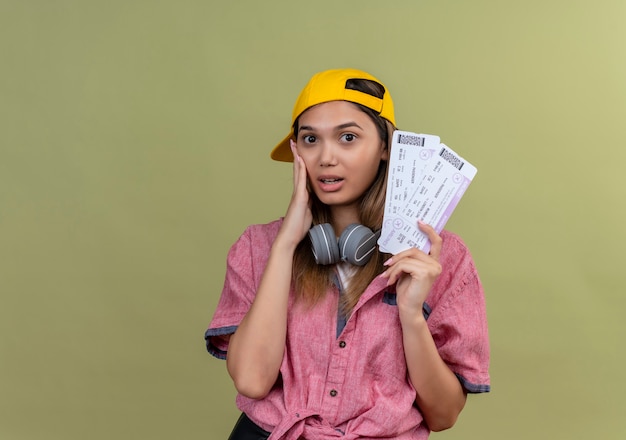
334	114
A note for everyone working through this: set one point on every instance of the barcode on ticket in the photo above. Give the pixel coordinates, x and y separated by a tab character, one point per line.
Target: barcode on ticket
451	158
407	139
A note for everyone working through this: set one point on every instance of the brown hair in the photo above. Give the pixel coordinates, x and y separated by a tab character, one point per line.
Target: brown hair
311	279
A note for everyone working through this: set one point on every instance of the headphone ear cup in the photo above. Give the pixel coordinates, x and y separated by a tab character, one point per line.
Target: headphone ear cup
357	244
324	244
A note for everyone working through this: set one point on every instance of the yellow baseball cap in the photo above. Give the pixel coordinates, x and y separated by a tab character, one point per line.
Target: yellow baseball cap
327	86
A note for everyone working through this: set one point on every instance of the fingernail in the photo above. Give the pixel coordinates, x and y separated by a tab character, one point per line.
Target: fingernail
388	262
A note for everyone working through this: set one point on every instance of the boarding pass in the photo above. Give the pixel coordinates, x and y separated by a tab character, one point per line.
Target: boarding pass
425	182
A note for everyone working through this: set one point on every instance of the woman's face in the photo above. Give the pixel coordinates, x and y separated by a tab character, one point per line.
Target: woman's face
341	149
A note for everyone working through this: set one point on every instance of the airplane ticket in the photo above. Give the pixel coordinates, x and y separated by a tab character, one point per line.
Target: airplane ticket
426	181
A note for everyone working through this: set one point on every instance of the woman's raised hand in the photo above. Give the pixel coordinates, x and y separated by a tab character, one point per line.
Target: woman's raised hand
414	272
298	218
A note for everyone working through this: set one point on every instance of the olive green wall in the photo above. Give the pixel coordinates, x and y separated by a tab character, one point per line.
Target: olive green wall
134	141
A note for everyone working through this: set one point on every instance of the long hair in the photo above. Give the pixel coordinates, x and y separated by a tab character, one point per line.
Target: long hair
312	280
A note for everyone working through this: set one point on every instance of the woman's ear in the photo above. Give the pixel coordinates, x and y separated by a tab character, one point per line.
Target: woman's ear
384	155
387	148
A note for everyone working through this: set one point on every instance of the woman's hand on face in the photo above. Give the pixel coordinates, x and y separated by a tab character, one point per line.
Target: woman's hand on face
298	218
414	272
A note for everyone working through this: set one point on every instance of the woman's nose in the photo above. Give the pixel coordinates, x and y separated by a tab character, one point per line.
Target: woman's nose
327	155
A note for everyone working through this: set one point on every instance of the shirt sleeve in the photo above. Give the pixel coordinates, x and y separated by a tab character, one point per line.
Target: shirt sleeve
240	286
458	319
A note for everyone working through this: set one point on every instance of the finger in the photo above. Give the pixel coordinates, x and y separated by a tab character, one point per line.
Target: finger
302	177
300	190
292	145
433	237
415	268
401	268
296	162
407	253
299	169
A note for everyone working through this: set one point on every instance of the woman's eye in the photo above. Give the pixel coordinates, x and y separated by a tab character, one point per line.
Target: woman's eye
348	137
308	138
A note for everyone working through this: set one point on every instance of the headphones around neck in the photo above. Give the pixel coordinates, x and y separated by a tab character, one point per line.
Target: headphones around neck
355	245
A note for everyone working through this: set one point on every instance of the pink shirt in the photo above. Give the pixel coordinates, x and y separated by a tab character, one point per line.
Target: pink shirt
355	385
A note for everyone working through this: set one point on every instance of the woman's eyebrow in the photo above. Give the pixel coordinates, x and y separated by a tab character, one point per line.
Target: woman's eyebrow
348	125
338	127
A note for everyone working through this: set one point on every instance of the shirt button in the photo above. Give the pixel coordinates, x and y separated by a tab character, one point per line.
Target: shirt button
333	393
342	344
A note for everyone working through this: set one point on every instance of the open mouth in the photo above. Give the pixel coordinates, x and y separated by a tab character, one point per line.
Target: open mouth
330	181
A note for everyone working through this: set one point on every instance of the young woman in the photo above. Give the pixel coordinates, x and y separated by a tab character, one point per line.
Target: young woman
365	345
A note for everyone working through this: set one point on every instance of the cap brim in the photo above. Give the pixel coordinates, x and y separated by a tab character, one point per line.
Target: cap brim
282	151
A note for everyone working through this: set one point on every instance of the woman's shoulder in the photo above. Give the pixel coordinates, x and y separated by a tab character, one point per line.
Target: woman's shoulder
264	229
261	235
456	260
453	245
254	243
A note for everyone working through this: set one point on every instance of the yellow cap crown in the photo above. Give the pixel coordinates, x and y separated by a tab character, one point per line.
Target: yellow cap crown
330	85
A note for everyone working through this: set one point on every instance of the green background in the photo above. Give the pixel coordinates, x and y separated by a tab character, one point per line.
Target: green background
134	142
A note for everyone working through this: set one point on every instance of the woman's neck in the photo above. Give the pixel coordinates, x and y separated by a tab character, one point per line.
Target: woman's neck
344	216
